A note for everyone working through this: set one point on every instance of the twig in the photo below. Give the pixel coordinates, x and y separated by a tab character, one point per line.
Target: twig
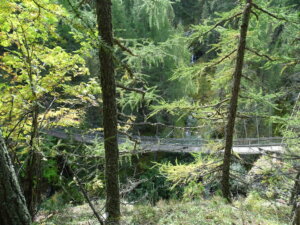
47	111
17	124
88	199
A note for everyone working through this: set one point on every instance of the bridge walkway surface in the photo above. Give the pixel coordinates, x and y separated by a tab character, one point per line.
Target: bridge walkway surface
250	146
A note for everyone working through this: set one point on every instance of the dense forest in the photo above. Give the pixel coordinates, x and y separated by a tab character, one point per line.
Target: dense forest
149	112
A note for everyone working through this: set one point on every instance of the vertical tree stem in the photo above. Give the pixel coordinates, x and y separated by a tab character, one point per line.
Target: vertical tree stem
234	100
108	85
13	210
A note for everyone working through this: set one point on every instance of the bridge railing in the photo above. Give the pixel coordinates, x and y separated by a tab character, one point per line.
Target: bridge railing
195	141
187	141
264	141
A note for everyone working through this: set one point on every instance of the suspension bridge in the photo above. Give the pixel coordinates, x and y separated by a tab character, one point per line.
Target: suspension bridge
244	146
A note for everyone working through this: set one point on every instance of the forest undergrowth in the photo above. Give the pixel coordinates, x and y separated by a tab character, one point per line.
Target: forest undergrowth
251	210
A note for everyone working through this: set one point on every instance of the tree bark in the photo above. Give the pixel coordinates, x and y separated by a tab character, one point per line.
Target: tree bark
296	214
108	85
294	200
33	177
13	210
234	100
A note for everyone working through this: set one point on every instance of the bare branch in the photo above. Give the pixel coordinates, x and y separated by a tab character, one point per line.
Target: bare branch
131	186
79	184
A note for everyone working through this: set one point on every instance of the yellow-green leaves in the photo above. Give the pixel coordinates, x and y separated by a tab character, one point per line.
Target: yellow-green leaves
34	70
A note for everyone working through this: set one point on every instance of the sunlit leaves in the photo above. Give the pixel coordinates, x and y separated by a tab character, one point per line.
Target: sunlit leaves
34	70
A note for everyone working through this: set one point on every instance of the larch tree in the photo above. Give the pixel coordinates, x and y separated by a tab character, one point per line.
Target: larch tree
108	85
13	210
234	100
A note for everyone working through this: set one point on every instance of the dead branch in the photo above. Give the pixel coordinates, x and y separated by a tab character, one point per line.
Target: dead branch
79	184
131	186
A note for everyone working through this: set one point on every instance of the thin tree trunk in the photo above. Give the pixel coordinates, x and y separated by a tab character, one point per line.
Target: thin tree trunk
295	191
13	210
234	100
32	183
296	218
294	200
107	78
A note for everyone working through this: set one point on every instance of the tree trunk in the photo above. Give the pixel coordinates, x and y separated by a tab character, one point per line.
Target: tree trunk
296	219
234	100
32	182
107	78
294	200
13	210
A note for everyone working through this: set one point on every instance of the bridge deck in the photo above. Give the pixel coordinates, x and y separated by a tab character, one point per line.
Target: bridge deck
184	145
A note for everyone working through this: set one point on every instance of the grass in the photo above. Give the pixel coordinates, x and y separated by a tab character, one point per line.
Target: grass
250	211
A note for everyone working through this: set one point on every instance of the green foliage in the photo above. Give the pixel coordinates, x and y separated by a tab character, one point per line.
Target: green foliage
50	172
193	190
34	70
268	177
194	177
215	211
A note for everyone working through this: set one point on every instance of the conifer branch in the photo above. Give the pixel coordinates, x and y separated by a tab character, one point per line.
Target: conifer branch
138	90
221	22
225	57
126	68
259	54
268	13
124	48
255	14
247	78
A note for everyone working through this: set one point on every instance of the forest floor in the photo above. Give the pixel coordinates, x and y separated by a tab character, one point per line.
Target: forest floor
244	211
